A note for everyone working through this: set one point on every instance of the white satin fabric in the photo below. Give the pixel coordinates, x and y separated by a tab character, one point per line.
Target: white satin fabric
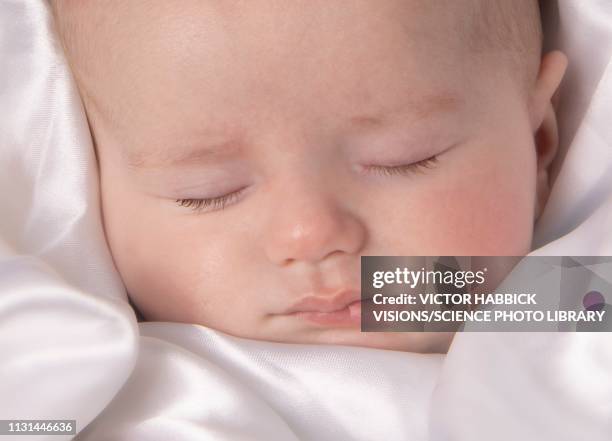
68	339
191	383
71	348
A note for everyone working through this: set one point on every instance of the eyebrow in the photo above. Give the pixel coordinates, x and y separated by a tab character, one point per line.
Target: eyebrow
184	156
419	108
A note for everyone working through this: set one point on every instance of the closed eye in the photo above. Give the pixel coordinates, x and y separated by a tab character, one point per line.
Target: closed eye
210	204
221	202
405	169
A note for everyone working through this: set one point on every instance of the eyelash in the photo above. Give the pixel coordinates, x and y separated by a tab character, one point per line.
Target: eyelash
407	169
220	202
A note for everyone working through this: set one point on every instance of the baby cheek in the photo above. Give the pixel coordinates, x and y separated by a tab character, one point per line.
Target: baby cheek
174	277
486	208
153	261
173	266
495	209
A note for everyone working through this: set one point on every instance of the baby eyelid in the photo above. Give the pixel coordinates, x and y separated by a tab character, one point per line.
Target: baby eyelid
404	169
220	202
216	203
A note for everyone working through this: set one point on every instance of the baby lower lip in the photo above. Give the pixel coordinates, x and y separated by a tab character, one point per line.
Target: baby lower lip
350	315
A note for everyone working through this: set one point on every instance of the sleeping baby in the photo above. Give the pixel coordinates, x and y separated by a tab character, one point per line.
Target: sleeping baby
251	151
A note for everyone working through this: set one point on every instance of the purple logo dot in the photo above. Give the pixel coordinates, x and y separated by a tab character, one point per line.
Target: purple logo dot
593	300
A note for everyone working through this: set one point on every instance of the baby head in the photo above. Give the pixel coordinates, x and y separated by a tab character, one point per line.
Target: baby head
251	151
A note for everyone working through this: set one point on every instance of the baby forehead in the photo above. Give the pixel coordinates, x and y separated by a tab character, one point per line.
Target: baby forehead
112	43
278	23
231	54
289	26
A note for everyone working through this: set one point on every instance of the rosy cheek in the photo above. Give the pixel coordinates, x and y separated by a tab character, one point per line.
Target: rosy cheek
487	209
480	205
482	222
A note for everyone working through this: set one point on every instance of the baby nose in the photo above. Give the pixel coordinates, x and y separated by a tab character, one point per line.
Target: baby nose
312	226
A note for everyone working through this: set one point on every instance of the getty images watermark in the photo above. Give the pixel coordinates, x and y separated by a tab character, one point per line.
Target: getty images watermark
486	293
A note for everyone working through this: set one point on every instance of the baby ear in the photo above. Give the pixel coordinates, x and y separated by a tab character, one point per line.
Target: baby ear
544	120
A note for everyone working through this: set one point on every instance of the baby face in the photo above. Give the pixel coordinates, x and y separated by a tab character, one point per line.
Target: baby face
250	153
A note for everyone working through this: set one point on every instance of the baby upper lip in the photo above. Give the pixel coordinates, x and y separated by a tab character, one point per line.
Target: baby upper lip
323	303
